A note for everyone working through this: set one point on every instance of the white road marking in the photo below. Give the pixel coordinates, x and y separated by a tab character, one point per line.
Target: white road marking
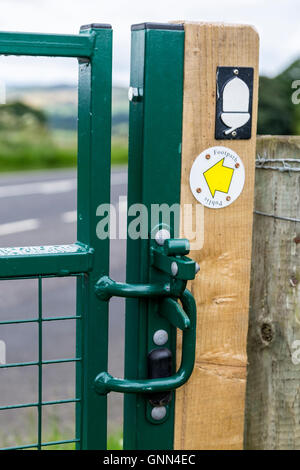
51	187
19	226
69	217
2	352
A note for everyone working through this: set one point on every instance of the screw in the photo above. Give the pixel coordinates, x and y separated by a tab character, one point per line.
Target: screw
174	268
198	190
228	198
162	235
134	94
237	165
233	133
207	157
160	337
236	71
158	413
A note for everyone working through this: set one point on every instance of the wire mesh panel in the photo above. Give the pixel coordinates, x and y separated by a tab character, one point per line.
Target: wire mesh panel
40	404
86	260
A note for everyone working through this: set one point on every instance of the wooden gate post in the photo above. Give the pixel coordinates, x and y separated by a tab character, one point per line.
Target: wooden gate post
273	411
210	408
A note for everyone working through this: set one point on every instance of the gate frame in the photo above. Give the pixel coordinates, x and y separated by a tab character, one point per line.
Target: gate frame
88	258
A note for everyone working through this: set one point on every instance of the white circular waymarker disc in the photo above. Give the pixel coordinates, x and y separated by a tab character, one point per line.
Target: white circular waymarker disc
217	177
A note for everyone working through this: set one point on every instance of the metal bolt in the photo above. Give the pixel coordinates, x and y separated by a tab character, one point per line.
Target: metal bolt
228	198
161	236
174	268
237	165
197	268
233	133
160	337
158	413
236	71
198	190
207	157
134	94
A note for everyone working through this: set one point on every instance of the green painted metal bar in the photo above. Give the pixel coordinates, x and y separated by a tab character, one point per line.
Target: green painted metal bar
44	444
40	362
21	447
37	44
94	141
57	260
36	404
63	441
157	55
36	363
107	288
35	320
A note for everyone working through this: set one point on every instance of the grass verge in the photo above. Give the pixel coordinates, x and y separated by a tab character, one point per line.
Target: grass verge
23	150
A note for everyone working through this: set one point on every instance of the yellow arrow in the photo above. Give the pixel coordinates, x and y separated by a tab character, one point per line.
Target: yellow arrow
218	178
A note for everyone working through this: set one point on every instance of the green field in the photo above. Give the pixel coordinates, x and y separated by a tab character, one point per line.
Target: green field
38	128
40	149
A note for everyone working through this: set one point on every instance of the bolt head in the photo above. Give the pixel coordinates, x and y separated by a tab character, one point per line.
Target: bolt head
133	94
233	133
160	337
236	71
161	236
158	413
174	268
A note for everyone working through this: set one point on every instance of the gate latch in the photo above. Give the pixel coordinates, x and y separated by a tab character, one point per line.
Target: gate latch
170	259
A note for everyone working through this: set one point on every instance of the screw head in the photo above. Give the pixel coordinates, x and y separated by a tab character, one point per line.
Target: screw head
174	268
228	198
198	190
236	71
233	133
237	165
158	413
133	94
207	157
160	337
162	235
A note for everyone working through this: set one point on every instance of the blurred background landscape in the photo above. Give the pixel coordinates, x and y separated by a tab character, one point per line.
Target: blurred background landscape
38	123
38	127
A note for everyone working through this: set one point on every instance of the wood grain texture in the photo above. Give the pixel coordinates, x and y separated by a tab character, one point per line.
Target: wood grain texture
273	385
210	408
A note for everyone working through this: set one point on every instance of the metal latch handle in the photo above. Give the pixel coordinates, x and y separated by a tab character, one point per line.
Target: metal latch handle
104	382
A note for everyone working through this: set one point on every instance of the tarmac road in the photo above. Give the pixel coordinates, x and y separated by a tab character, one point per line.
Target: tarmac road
39	208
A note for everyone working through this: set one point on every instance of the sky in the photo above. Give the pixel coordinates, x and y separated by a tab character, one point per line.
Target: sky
277	22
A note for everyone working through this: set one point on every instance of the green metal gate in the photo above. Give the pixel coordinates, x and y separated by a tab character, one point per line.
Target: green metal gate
157	268
87	259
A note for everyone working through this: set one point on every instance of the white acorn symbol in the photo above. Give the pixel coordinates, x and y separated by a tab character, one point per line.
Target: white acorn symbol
235	104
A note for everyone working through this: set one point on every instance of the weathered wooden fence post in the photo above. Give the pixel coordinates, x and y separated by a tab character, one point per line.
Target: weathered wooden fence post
273	385
210	408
